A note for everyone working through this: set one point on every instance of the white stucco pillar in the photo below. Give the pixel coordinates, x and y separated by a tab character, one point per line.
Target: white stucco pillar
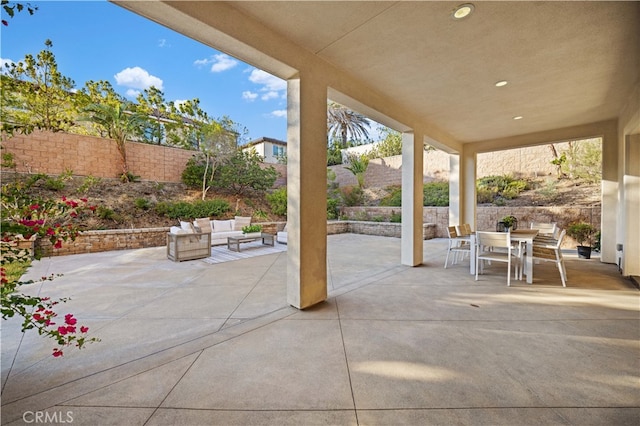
306	192
411	252
455	190
462	189
468	179
631	182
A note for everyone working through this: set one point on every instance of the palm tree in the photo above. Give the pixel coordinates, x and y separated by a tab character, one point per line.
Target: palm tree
342	122
120	124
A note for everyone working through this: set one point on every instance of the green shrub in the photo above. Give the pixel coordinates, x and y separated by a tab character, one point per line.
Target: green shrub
436	194
251	228
484	195
260	214
333	208
244	171
88	183
495	189
106	213
129	177
395	217
277	200
394	199
142	203
352	196
185	210
192	173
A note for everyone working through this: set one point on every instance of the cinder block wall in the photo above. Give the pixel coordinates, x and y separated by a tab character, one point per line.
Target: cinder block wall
533	161
55	153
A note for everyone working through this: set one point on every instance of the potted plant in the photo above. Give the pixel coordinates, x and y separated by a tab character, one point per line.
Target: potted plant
507	223
582	232
252	230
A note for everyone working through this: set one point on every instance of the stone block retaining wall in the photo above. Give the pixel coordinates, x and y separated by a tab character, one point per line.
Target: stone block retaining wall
127	239
487	217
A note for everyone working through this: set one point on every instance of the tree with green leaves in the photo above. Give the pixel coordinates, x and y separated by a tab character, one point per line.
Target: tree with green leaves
152	104
343	123
10	8
243	171
192	124
97	93
35	95
217	146
120	123
358	165
391	144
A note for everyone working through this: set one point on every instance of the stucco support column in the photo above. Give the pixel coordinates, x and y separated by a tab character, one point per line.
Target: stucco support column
411	251
631	182
455	189
462	188
306	192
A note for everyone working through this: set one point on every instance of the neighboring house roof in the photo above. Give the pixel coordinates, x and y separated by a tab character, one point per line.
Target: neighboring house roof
262	140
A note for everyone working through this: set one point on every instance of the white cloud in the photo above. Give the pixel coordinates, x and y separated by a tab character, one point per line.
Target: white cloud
219	62
269	95
179	102
163	43
249	96
137	78
5	64
132	93
270	82
279	113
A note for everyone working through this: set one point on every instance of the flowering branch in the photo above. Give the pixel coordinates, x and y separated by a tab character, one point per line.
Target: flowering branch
54	220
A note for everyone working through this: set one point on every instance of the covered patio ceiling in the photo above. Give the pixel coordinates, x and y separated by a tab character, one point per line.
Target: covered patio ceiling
566	63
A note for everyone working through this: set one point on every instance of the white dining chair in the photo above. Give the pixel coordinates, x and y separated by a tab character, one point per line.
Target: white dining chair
546	251
495	247
458	246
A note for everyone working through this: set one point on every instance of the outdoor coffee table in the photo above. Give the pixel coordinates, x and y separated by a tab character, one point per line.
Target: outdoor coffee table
233	243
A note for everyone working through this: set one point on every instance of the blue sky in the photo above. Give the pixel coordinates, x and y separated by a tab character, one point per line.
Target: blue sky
97	40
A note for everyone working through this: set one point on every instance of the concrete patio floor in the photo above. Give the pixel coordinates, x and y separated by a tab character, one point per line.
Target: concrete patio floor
197	344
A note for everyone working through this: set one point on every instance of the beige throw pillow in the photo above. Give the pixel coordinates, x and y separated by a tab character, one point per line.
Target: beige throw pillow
241	222
222	225
204	224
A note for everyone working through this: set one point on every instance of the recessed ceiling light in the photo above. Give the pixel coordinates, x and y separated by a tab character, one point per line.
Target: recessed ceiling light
518	117
462	11
501	83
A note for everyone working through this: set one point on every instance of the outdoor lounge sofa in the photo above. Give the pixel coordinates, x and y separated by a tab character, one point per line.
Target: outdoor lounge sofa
281	236
220	230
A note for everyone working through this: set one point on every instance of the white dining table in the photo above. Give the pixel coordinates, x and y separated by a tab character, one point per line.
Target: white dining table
519	236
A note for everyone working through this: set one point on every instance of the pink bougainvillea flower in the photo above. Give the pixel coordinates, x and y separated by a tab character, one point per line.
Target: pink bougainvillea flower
50	231
71	329
70	320
34	206
62	330
57	352
58	244
84	329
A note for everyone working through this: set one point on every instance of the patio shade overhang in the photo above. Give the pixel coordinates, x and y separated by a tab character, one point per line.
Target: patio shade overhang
572	71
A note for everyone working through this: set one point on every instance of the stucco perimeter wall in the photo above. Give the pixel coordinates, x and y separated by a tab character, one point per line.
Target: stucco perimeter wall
55	153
